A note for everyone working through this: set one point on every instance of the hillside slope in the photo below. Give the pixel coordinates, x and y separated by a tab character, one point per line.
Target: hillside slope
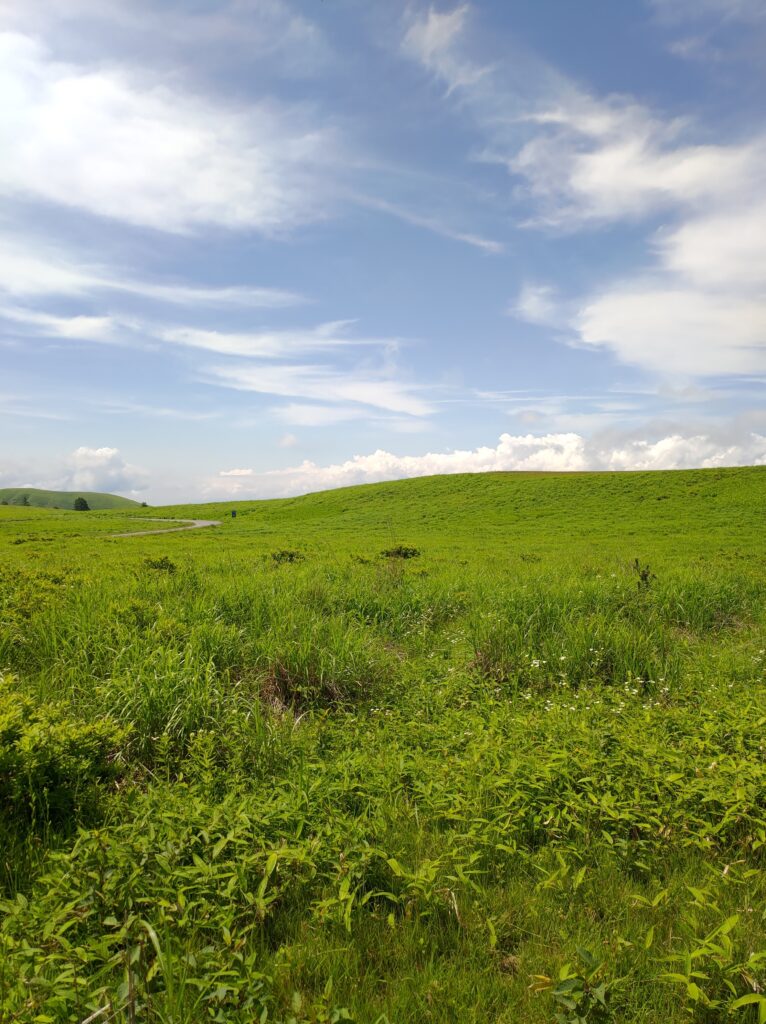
514	511
63	499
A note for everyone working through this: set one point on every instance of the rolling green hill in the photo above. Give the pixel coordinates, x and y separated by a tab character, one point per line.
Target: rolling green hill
505	513
63	499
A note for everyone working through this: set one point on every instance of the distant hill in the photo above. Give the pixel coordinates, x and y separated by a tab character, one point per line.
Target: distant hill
63	499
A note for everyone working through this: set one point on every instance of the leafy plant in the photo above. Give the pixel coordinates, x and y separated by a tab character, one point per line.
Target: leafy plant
580	993
51	765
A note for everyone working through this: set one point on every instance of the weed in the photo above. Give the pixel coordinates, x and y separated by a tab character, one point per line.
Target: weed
400	551
162	564
286	556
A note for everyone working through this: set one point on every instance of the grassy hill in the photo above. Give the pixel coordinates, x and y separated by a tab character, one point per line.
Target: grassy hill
506	511
275	771
63	499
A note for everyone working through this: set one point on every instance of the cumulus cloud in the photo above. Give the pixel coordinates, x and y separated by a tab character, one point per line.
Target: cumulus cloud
528	452
138	151
101	469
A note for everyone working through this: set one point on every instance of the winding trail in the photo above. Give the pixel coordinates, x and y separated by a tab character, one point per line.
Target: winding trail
191	524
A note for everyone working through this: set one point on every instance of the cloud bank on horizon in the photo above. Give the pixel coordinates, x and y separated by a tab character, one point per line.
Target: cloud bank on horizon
240	253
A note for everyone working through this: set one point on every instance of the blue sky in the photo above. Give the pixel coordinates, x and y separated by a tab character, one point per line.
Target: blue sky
261	247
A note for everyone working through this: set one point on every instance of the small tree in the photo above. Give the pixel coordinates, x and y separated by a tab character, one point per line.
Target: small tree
25	500
81	505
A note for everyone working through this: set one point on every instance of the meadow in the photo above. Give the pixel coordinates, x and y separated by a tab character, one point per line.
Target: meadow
479	748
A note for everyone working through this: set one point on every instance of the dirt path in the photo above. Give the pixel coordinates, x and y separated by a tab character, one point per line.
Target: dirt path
191	524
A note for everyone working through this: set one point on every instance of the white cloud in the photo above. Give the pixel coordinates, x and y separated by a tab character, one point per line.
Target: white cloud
723	249
273	343
28	269
101	469
437	225
301	414
434	41
323	384
85	328
537	304
700	309
582	159
528	452
267	31
611	160
157	411
287	441
677	330
141	152
235	472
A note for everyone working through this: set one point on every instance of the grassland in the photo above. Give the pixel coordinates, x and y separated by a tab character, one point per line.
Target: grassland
263	772
38	498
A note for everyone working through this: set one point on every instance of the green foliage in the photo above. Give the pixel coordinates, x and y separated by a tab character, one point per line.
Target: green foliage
161	564
287	556
51	766
81	505
580	993
518	778
400	551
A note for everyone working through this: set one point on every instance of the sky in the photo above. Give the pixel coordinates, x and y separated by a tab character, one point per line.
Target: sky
253	248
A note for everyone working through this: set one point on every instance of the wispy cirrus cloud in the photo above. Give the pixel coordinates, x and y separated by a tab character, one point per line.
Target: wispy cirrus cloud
30	269
281	344
324	384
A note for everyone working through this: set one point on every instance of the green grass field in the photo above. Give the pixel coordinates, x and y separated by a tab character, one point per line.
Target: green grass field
265	772
37	498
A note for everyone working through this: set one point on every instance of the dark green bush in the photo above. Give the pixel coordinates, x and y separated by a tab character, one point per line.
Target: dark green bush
400	551
51	765
162	564
281	557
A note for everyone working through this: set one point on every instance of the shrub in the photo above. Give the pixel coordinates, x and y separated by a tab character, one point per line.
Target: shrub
287	556
51	764
162	564
81	505
400	551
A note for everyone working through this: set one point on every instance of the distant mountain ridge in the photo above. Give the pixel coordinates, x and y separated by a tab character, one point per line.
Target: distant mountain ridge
37	498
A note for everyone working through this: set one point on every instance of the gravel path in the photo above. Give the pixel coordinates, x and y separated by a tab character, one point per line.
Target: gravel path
191	524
